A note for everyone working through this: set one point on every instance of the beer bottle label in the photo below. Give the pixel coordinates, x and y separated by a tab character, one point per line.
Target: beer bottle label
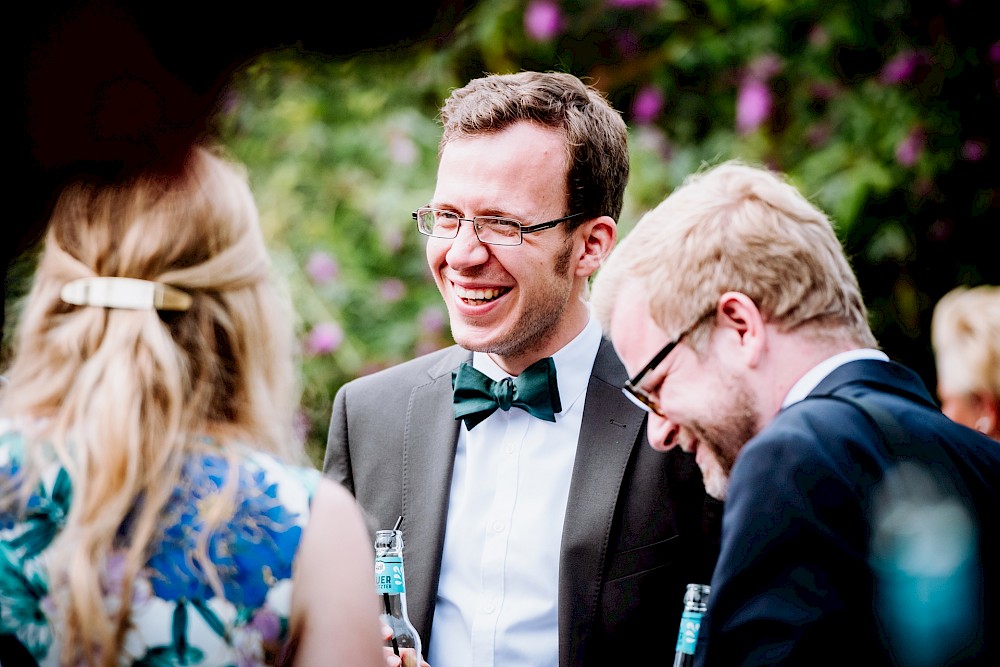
687	638
389	575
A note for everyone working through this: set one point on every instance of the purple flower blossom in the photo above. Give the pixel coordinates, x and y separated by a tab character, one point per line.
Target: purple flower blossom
651	138
823	91
910	148
819	36
322	268
900	68
324	338
267	623
994	52
973	150
392	238
402	150
764	66
431	320
753	105
647	105
543	20
818	134
391	290
627	43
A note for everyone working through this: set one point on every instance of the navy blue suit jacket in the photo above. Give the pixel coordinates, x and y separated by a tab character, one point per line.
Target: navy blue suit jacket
797	582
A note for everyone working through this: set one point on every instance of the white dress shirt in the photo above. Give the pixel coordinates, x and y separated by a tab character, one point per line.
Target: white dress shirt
815	375
496	599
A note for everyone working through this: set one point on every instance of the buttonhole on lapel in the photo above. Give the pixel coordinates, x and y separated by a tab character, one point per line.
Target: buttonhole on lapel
619	424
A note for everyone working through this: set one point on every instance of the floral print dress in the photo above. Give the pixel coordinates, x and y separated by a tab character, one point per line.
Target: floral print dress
176	617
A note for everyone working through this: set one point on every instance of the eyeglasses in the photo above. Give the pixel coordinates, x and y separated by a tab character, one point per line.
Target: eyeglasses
640	396
489	229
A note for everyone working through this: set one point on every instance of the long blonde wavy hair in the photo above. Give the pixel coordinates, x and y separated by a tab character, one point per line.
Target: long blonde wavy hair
115	395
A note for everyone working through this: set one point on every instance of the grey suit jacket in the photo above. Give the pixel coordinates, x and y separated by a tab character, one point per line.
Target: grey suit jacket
638	524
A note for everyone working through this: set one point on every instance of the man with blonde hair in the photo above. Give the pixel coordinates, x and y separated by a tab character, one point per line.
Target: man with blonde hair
859	521
965	331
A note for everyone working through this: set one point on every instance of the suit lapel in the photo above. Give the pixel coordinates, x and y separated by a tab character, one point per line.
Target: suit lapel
429	439
608	436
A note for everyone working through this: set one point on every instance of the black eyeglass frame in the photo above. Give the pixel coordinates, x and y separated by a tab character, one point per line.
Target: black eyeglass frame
638	395
523	229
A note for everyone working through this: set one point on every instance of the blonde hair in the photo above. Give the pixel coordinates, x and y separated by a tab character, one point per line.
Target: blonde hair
118	397
736	227
965	333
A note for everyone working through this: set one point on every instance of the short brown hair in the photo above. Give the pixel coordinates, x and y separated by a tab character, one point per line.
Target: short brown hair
596	136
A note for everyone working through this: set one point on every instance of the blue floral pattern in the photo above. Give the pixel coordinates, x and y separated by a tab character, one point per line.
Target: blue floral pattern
177	617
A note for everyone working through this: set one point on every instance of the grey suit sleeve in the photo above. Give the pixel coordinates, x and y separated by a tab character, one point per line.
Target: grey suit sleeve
337	461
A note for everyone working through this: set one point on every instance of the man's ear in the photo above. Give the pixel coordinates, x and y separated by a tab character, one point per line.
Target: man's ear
598	237
739	315
987	414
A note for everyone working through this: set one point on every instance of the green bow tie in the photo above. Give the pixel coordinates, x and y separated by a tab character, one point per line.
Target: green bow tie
477	396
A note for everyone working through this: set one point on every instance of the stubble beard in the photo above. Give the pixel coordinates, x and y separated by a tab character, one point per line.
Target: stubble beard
536	324
726	436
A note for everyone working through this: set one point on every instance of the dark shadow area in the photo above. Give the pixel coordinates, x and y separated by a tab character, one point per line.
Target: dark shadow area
105	86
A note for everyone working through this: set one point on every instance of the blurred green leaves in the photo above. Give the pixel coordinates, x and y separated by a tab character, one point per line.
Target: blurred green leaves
850	101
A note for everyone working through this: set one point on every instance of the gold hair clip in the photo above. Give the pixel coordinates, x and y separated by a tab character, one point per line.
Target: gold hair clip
131	293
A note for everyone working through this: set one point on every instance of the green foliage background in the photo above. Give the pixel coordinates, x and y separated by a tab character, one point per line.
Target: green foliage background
884	113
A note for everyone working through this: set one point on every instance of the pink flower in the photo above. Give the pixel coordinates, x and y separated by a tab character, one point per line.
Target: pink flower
973	150
823	91
627	43
392	289
753	105
431	320
994	52
818	36
322	268
647	105
764	67
818	134
392	238
900	68
402	149
324	338
267	623
910	148
543	20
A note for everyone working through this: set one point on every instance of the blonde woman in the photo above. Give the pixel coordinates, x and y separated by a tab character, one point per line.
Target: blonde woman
156	508
965	332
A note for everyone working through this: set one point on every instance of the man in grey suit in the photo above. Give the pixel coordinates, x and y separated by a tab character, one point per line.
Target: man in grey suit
540	528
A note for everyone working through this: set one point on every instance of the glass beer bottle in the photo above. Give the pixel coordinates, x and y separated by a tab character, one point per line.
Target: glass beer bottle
695	602
391	586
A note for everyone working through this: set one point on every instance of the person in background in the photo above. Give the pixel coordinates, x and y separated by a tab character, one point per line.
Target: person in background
965	332
859	521
155	505
539	528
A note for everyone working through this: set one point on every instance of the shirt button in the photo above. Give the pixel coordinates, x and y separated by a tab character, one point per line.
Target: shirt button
488	607
498	526
509	448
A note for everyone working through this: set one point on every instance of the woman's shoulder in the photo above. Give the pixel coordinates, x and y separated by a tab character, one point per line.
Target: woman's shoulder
257	472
